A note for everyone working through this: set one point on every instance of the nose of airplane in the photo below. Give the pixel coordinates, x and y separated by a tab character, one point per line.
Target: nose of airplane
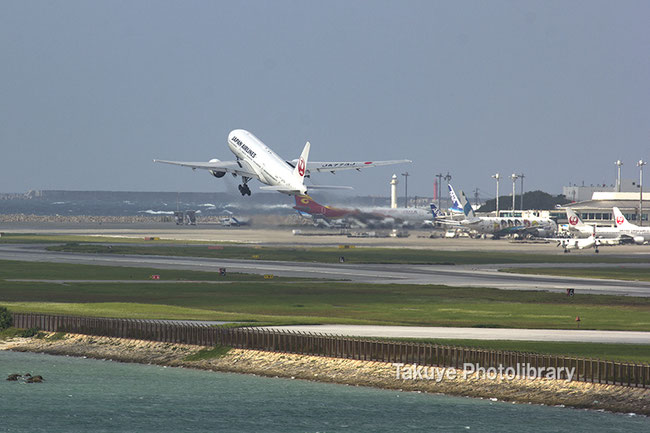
235	133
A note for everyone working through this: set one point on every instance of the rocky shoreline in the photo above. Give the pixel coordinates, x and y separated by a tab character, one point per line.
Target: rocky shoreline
342	371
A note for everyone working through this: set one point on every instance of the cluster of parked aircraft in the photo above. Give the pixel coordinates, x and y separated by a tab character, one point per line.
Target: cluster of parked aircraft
495	226
255	160
591	236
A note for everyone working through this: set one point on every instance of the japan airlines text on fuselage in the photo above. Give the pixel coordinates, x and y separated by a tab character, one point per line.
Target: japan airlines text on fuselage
267	164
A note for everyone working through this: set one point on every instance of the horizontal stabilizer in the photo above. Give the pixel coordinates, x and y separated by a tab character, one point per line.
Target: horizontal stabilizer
328	187
282	189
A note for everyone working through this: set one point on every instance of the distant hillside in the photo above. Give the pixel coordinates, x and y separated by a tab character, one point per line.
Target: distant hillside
532	200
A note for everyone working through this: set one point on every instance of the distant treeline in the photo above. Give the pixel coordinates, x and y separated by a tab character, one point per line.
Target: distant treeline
532	200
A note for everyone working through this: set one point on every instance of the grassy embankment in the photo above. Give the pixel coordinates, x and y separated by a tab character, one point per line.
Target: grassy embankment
619	273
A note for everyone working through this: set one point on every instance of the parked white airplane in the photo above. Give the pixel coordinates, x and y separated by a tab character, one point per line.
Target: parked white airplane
584	243
581	229
255	160
639	235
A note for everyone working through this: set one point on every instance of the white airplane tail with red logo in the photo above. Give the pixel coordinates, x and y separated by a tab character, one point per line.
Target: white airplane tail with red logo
576	224
574	219
620	220
300	169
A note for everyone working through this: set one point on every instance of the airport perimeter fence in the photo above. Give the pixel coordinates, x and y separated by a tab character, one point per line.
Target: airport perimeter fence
422	354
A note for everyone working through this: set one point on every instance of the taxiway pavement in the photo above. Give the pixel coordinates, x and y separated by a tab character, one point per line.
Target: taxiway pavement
562	335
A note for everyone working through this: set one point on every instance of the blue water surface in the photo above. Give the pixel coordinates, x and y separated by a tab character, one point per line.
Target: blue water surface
84	395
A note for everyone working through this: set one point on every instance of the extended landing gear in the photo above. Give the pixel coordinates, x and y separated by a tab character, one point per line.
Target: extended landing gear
243	188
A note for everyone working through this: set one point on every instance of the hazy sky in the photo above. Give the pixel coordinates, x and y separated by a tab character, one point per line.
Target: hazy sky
92	91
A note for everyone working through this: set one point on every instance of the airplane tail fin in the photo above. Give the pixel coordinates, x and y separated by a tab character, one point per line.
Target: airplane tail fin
300	169
456	205
574	219
305	202
467	208
435	211
620	219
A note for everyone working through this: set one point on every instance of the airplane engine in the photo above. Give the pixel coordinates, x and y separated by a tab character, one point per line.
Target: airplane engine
215	173
639	240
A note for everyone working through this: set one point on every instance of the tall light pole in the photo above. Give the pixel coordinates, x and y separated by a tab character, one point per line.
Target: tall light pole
640	164
439	176
406	186
521	176
514	178
448	179
618	176
497	177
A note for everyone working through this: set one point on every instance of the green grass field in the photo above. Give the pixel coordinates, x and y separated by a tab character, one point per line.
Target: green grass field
63	271
619	273
287	301
30	238
331	255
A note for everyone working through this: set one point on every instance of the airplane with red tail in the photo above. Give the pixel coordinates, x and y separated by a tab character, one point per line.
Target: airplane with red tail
306	204
384	216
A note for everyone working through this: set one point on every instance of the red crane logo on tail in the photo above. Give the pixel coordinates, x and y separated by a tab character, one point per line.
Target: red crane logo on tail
573	220
620	220
301	167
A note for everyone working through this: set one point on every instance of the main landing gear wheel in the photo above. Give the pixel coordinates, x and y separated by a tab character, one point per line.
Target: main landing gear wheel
244	189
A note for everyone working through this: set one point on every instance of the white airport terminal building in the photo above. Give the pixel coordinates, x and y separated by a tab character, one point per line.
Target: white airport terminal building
594	203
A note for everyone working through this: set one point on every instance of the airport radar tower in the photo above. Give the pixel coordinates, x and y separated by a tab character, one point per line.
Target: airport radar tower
393	191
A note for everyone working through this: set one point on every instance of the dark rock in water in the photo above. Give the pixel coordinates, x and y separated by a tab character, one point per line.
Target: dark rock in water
14	377
35	379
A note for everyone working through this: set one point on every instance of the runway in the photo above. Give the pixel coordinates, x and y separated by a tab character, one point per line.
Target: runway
561	335
456	276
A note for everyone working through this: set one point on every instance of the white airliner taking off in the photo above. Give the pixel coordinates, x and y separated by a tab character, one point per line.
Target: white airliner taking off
255	160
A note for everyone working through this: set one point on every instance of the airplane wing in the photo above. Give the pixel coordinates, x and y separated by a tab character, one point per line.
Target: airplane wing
449	222
333	166
609	241
241	168
282	189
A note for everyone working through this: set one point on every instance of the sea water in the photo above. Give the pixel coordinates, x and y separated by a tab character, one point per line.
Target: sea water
86	395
